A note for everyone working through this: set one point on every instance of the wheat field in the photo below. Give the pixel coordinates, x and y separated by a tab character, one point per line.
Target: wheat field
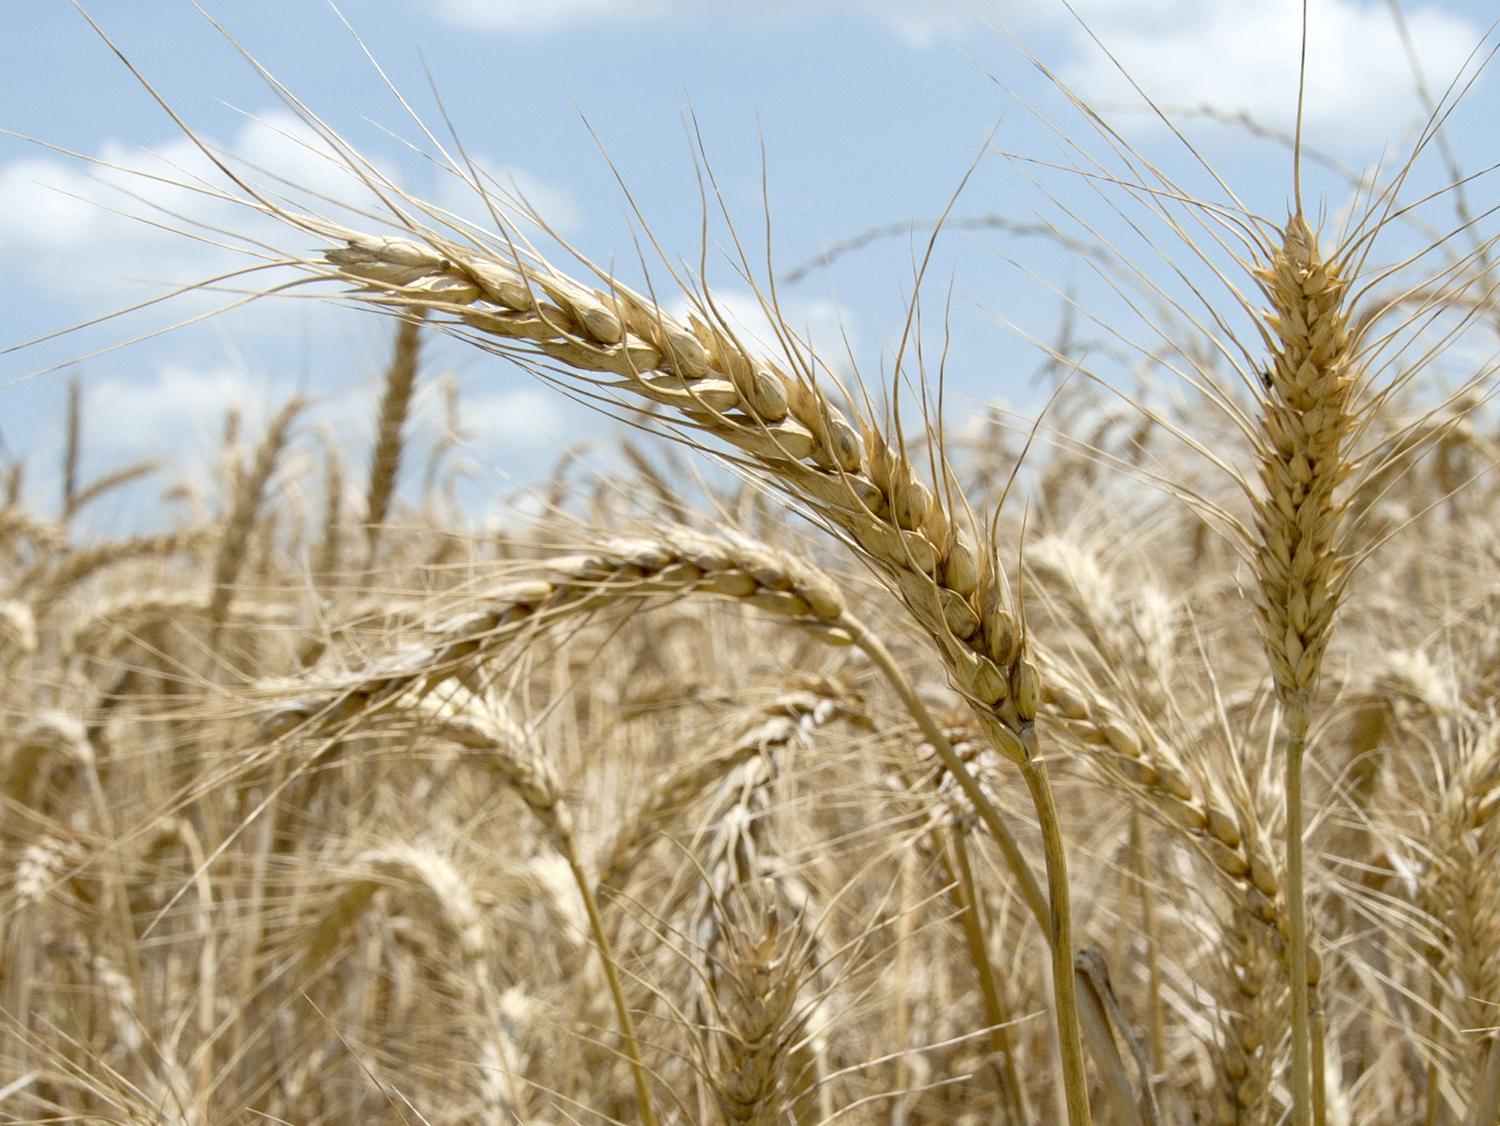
817	757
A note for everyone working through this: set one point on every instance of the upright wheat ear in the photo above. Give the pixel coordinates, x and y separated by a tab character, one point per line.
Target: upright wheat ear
1300	564
1307	425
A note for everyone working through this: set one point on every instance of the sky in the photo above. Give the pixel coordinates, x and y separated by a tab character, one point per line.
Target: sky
832	116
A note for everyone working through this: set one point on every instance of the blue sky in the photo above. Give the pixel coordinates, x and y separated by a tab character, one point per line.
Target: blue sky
869	113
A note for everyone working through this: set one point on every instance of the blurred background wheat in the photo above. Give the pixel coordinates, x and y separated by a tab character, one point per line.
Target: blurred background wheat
1138	762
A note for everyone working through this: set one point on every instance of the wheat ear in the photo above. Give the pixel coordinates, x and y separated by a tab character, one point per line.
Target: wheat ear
49	580
672	563
249	492
512	754
442	892
395	405
790	718
1300	566
72	447
781	424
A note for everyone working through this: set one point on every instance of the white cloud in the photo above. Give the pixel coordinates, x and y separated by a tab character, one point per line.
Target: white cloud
525	417
921	23
86	231
529	17
821	322
514	188
1232	54
1239	57
77	231
175	413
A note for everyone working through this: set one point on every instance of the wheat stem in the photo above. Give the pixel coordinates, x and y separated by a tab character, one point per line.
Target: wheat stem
875	649
628	1042
1055	909
1060	938
971	915
1297	940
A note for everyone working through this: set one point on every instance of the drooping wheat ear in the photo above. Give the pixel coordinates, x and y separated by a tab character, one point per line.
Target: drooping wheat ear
1300	560
528	771
495	742
420	870
249	493
739	848
395	404
1130	755
49	580
131	614
782	423
789	719
751	986
1224	832
678	563
1227	827
437	890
